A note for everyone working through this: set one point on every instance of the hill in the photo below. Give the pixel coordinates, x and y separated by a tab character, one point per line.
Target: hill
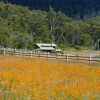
73	8
21	28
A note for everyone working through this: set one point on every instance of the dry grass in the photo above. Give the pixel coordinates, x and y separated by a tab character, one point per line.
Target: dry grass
30	79
83	52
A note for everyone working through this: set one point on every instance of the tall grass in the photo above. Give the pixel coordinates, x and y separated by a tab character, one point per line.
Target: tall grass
25	79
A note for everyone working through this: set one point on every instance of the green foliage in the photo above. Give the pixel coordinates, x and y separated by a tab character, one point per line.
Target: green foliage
85	40
1	0
22	28
62	46
54	52
47	40
79	48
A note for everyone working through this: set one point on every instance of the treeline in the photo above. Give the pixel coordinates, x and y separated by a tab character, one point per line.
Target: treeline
77	9
22	28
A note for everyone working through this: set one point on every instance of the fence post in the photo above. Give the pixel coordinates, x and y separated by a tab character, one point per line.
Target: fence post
39	54
20	50
90	57
16	52
4	52
77	57
31	54
57	56
48	55
11	52
67	56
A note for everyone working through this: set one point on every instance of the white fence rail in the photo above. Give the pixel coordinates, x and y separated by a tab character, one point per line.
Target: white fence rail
34	54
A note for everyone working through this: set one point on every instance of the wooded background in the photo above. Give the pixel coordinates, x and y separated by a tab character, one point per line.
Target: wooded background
22	28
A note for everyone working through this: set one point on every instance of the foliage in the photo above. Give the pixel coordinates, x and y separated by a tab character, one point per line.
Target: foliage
79	48
21	28
77	9
53	52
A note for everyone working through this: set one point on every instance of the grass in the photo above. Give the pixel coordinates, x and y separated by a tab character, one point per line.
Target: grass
30	79
81	52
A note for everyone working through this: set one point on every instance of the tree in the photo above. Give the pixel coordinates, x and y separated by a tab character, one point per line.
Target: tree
21	28
85	40
51	21
1	0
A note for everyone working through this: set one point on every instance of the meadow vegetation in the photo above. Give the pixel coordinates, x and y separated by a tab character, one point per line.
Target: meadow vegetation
31	79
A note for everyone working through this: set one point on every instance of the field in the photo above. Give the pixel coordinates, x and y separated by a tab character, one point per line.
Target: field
35	79
83	52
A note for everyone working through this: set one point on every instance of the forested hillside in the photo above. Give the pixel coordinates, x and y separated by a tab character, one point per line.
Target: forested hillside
73	8
21	28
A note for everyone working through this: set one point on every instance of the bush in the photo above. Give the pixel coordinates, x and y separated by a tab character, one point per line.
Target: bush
78	48
1	52
54	52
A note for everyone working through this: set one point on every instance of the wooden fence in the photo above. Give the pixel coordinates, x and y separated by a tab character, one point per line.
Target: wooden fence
95	59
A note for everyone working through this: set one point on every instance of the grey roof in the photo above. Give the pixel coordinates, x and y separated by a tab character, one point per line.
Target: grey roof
46	45
58	50
46	48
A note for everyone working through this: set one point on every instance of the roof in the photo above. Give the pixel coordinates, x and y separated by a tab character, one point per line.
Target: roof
46	45
46	48
58	50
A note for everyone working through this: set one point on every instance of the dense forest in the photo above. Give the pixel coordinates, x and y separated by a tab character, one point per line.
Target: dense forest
21	28
77	9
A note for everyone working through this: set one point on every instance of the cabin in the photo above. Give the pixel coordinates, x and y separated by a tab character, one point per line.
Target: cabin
45	47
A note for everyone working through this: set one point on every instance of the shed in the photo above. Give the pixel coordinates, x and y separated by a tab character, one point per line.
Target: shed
46	47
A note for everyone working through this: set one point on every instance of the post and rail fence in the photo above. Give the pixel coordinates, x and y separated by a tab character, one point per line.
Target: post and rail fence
34	54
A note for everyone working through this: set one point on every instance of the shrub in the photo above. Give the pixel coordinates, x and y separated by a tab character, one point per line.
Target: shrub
54	52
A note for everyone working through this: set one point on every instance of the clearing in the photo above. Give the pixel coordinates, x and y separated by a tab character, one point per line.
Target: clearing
35	79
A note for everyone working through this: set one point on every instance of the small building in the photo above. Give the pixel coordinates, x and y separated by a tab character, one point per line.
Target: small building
59	50
45	47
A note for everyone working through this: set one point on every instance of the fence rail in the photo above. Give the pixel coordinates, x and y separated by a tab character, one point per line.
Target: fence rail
33	54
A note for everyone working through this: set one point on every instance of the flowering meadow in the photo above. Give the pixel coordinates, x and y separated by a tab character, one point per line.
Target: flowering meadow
35	79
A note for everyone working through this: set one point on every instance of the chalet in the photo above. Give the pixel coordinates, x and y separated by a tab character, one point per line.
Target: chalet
45	47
